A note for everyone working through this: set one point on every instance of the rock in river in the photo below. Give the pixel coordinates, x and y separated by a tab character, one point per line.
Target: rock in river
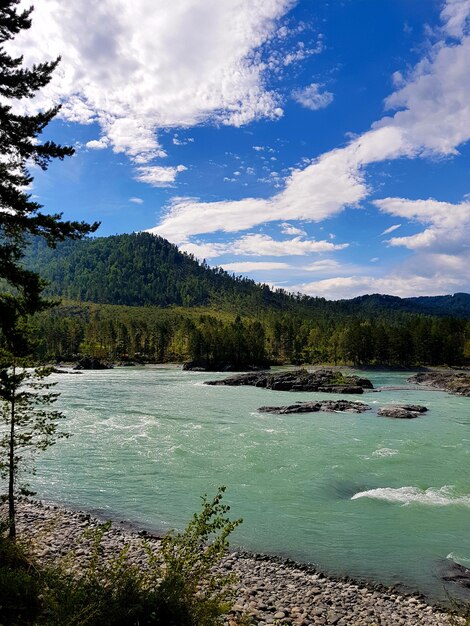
402	411
326	380
331	406
92	363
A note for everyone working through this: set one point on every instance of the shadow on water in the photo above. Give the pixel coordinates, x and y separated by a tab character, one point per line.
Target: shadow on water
345	489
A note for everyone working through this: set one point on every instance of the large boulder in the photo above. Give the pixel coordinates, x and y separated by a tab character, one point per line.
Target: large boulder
331	406
325	380
402	411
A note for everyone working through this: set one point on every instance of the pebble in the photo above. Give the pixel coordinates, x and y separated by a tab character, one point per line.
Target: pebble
269	591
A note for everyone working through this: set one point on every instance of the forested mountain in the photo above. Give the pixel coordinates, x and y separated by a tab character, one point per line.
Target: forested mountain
138	297
142	269
457	305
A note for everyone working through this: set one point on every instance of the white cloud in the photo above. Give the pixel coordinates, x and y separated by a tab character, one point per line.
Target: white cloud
136	200
455	15
404	286
322	266
263	245
449	224
182	142
254	266
390	229
157	176
138	67
204	250
311	97
260	245
97	144
433	118
288	229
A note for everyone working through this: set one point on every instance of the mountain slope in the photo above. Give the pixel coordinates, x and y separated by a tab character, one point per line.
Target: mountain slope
142	270
138	269
457	305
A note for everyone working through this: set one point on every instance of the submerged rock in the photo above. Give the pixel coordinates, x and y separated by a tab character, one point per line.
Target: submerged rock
453	382
456	573
331	406
402	411
325	380
92	363
201	365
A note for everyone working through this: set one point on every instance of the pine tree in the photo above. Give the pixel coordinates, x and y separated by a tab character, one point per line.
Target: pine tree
21	217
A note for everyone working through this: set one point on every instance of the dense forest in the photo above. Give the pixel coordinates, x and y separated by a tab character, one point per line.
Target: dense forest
137	297
143	269
152	334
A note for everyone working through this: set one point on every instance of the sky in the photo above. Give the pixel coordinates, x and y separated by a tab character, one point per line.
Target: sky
318	146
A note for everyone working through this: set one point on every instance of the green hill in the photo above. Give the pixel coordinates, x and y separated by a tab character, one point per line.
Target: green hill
138	297
143	269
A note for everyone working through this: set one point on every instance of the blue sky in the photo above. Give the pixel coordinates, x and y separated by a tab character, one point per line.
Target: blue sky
320	146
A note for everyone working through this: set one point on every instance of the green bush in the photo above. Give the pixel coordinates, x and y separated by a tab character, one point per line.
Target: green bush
177	586
19	585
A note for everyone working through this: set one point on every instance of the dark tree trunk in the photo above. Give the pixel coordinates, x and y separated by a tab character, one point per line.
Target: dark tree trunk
11	481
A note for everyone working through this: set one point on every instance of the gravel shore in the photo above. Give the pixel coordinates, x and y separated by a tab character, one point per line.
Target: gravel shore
269	590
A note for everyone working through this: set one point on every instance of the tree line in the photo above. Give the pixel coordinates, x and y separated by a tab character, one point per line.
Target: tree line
163	335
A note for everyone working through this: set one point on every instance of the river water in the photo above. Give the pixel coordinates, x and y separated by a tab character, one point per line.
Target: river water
362	495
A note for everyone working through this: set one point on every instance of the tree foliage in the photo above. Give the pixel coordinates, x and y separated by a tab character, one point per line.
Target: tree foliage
21	146
28	424
217	339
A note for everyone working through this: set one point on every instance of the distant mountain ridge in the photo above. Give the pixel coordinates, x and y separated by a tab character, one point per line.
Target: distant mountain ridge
457	305
147	270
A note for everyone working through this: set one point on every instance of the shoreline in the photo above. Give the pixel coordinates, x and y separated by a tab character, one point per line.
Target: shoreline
268	585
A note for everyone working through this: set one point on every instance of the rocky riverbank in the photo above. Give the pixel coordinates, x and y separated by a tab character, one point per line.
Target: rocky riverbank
453	382
325	380
269	590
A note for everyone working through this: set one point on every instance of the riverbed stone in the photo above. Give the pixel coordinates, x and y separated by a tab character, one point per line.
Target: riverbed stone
286	592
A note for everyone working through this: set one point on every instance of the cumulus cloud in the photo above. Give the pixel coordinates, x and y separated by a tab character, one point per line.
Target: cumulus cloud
97	144
261	245
311	97
255	266
402	286
455	16
158	176
288	229
138	67
203	250
433	118
136	200
449	224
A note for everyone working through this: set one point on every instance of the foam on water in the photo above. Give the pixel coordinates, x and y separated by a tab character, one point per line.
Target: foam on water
383	452
413	495
461	560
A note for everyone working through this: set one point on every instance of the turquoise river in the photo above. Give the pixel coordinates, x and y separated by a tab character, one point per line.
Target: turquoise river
363	495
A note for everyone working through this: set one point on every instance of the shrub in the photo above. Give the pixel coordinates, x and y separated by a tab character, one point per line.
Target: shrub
178	585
